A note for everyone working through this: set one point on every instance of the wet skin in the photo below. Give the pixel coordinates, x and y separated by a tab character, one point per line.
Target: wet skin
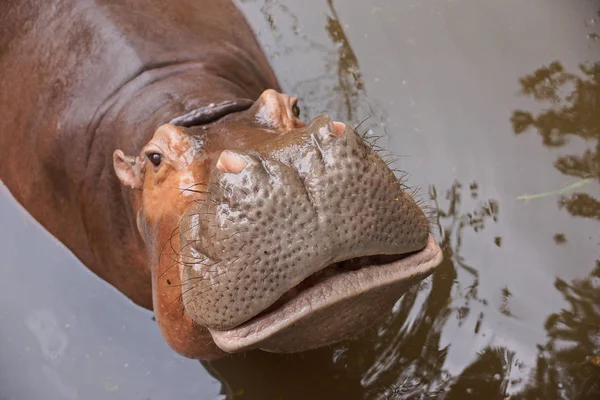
241	226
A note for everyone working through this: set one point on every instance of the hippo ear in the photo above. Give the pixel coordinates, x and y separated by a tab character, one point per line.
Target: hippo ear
277	110
128	169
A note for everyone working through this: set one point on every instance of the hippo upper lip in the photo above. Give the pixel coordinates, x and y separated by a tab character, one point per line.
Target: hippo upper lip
251	333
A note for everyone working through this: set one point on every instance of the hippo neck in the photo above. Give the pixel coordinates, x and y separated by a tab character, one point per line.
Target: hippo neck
128	122
166	94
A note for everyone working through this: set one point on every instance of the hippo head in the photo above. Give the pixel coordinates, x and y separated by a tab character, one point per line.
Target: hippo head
269	233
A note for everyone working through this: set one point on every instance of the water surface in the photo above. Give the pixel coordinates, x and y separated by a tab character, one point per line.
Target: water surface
493	108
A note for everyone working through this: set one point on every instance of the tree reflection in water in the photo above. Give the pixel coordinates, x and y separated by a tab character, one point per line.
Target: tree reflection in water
338	88
575	114
567	366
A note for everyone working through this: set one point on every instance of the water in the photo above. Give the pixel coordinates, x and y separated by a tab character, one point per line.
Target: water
494	110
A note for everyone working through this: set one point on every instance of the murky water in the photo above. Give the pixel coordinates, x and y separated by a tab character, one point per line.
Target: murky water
493	107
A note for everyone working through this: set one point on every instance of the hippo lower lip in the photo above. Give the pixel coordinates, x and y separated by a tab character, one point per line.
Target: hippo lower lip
369	288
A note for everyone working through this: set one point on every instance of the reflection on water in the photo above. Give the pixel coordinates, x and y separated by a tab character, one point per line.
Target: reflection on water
350	84
567	366
336	87
441	340
574	111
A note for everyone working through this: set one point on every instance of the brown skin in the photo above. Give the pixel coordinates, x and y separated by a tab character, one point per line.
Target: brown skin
111	75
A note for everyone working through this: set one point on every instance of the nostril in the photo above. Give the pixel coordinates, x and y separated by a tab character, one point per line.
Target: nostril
231	162
337	128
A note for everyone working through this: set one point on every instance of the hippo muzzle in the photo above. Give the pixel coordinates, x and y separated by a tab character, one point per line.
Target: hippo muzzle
309	241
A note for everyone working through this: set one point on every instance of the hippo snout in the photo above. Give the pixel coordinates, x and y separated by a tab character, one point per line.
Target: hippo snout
289	214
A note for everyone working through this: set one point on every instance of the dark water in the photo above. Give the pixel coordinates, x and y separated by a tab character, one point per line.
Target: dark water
493	107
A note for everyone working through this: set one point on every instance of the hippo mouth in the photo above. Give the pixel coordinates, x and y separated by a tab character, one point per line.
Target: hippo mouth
366	286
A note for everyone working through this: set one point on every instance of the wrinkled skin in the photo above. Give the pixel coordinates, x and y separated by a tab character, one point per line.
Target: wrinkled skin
182	178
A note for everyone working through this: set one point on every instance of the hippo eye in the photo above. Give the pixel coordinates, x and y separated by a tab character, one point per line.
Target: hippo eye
296	110
155	158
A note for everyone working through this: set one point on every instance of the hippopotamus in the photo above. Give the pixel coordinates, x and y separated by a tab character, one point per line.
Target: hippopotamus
153	140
